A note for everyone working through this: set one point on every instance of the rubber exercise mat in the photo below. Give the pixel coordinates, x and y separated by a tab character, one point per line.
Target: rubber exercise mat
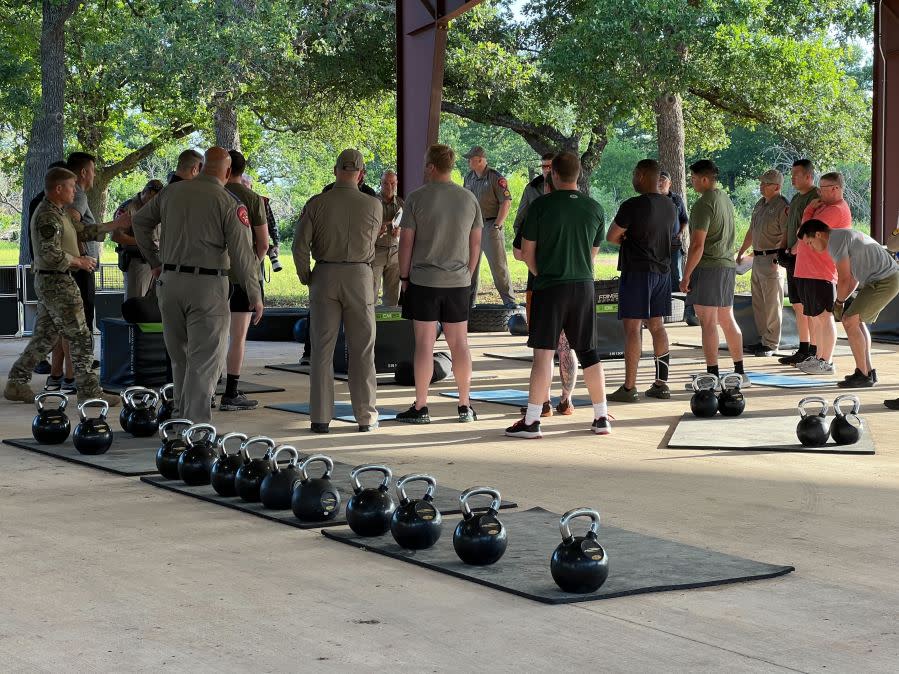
756	431
245	386
342	411
510	396
447	498
637	563
128	455
789	380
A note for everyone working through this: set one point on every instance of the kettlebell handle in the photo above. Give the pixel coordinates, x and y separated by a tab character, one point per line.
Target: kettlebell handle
93	402
148	398
565	521
851	397
223	441
317	458
128	392
188	433
416	477
813	400
370	468
705	376
167	393
257	440
290	449
166	425
41	397
732	377
476	491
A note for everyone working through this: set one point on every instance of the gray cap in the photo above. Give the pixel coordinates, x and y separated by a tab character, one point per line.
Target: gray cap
476	151
665	175
350	160
772	177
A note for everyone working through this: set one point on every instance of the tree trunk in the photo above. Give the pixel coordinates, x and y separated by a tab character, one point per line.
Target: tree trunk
670	132
45	141
98	196
227	135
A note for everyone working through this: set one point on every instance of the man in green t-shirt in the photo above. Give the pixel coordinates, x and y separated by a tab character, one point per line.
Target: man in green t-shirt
710	272
560	237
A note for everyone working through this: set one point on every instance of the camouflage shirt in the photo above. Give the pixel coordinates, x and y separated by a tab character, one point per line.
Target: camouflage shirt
55	237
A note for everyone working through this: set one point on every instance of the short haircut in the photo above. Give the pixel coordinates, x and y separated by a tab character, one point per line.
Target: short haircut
188	159
811	227
441	157
238	163
547	156
705	168
649	166
834	177
57	164
388	172
56	176
79	160
567	166
805	164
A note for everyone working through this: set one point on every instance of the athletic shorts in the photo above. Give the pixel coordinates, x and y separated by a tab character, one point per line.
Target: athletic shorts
569	307
792	290
712	286
872	298
816	295
644	294
238	302
447	305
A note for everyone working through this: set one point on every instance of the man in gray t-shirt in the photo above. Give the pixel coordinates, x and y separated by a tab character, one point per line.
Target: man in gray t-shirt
440	245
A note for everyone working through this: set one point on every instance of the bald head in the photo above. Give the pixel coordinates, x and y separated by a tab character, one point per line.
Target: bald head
217	164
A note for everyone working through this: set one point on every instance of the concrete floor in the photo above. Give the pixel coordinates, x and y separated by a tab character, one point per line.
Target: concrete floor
105	573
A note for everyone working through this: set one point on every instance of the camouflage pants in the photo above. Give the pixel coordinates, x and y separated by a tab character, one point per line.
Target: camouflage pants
60	313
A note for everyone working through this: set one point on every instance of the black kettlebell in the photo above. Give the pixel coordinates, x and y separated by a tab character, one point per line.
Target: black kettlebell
579	564
225	468
846	429
704	403
249	476
51	426
812	429
195	462
125	412
315	499
731	402
171	448
369	509
142	420
93	435
416	523
276	489
518	325
166	403
480	538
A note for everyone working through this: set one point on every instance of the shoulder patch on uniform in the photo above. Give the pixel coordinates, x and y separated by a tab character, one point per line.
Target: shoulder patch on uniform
243	215
47	230
502	182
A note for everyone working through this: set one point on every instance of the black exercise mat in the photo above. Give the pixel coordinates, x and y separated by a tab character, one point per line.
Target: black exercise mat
637	563
244	385
128	455
342	411
447	499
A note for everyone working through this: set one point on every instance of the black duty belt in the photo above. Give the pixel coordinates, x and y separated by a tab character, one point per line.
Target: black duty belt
52	271
341	262
190	269
773	251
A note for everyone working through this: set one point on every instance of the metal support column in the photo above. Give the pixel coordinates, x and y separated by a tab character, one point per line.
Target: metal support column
885	136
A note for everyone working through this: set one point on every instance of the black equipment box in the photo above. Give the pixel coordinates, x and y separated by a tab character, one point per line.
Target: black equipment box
133	354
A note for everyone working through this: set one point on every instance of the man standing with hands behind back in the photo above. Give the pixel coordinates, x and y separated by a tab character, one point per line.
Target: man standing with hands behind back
386	266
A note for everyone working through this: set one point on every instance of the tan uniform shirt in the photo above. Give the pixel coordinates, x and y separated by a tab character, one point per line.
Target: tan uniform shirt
201	225
339	225
769	223
391	208
256	210
55	237
491	190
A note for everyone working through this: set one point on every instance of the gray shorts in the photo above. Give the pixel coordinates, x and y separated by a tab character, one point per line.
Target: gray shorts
712	286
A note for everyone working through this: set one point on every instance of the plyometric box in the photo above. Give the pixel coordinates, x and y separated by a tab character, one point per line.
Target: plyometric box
394	342
132	354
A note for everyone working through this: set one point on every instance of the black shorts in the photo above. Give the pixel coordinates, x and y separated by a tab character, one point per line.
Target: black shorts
792	290
644	294
427	304
238	302
817	296
569	307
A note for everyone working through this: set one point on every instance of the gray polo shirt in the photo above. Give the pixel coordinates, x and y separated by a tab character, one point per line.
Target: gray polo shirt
868	260
80	204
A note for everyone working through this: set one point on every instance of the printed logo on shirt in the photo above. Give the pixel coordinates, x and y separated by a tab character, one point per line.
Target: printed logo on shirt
243	215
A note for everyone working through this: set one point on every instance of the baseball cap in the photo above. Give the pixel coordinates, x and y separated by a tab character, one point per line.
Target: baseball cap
665	175
350	160
476	151
773	177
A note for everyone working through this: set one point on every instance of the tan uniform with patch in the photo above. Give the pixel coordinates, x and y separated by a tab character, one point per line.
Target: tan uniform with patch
386	265
491	189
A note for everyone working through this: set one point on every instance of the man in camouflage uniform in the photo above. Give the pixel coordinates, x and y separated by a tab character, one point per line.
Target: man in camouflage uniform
60	310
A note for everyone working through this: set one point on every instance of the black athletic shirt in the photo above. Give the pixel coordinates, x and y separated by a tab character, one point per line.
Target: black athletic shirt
647	244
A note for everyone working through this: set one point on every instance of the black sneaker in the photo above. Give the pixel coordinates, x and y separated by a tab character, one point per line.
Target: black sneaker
68	386
547	410
317	427
414	416
873	375
793	359
237	403
42	368
624	394
467	414
601	426
657	390
857	379
759	350
522	430
53	384
891	404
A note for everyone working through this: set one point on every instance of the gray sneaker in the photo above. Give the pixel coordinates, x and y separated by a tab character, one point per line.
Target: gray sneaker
816	366
237	403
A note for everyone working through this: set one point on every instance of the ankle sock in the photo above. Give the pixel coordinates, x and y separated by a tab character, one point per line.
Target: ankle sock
738	367
662	366
600	410
712	369
533	413
803	347
231	385
813	349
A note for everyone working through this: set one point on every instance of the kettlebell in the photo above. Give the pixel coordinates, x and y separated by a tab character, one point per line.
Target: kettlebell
416	523
171	448
812	429
50	426
315	499
166	403
704	404
846	429
731	402
195	462
369	509
142	420
276	489
249	476
480	538
226	466
579	564
125	412
92	436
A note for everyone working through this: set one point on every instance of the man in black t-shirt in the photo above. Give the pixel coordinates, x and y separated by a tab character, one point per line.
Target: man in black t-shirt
642	228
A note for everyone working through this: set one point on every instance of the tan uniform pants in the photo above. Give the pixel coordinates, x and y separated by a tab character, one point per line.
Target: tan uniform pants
195	322
493	245
767	299
342	292
386	268
138	279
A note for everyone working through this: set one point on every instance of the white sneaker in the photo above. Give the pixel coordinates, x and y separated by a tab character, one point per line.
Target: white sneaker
816	366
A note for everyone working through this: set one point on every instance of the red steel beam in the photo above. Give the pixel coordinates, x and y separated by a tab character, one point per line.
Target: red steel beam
885	136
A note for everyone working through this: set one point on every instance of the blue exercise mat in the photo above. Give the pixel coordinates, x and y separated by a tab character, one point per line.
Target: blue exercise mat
342	411
789	381
511	396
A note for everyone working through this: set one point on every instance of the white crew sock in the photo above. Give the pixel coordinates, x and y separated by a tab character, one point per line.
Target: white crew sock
533	413
600	410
